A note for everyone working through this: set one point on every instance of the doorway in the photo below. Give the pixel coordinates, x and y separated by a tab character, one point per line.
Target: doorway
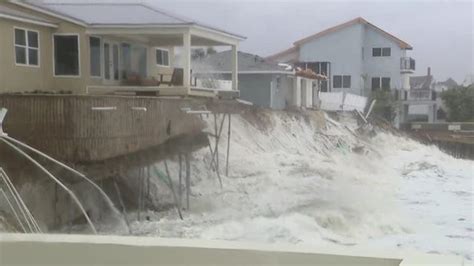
111	62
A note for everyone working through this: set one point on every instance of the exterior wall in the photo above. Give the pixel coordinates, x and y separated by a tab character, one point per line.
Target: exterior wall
18	79
67	128
255	88
155	70
381	66
27	79
43	249
282	87
343	50
15	78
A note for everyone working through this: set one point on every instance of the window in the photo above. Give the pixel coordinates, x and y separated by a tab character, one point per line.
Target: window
95	56
375	84
106	60
141	54
162	57
386	83
337	81
346	81
126	52
341	81
380	83
385	51
115	61
323	68
66	55
376	52
26	47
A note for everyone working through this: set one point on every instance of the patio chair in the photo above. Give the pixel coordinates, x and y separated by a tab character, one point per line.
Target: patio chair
176	78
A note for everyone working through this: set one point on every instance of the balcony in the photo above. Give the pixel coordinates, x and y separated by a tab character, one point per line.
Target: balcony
415	95
407	65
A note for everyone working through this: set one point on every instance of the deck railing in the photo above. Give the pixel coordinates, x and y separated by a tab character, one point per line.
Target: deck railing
407	64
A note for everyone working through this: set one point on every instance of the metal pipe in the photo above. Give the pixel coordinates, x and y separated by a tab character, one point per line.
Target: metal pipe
73	196
172	190
18	200
107	199
188	179
13	210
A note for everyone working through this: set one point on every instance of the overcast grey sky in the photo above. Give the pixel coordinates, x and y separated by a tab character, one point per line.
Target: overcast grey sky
441	32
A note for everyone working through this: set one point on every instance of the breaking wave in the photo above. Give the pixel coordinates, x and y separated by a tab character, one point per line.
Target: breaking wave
296	179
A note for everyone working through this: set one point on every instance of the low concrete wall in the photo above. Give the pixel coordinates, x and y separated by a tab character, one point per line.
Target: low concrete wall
20	249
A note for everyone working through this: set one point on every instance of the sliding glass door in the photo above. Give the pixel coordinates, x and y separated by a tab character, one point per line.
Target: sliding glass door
111	63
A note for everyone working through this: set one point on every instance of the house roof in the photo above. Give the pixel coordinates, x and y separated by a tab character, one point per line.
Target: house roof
450	83
282	53
248	63
7	12
114	14
421	82
358	20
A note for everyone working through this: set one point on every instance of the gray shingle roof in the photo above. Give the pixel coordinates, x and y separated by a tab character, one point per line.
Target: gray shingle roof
223	62
112	14
16	13
421	82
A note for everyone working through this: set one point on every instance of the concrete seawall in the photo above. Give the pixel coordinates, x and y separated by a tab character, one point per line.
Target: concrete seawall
21	249
79	129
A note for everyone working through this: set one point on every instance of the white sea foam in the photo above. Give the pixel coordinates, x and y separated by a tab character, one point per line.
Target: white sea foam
290	182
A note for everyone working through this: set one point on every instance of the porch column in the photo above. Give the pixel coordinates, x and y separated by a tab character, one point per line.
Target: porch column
235	68
187	60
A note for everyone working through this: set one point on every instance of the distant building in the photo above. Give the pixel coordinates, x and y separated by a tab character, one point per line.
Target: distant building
469	80
445	85
422	99
357	56
261	82
425	82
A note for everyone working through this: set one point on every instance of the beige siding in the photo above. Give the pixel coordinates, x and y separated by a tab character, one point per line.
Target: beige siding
155	70
26	79
14	78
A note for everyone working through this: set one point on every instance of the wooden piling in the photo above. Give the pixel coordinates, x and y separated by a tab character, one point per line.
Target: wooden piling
188	178
228	147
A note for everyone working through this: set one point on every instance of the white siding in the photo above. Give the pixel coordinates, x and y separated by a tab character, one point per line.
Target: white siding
382	66
350	53
343	50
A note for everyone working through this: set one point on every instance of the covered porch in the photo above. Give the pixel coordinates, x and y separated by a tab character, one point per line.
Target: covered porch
154	60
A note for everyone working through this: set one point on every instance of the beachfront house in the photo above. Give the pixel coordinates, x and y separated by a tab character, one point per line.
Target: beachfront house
356	56
95	48
263	83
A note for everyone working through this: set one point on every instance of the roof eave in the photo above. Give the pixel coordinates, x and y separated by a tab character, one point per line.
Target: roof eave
28	20
48	12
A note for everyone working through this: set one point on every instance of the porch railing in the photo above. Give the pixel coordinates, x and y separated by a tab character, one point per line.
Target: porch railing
415	95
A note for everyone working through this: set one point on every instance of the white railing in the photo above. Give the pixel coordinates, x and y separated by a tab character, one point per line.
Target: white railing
341	101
